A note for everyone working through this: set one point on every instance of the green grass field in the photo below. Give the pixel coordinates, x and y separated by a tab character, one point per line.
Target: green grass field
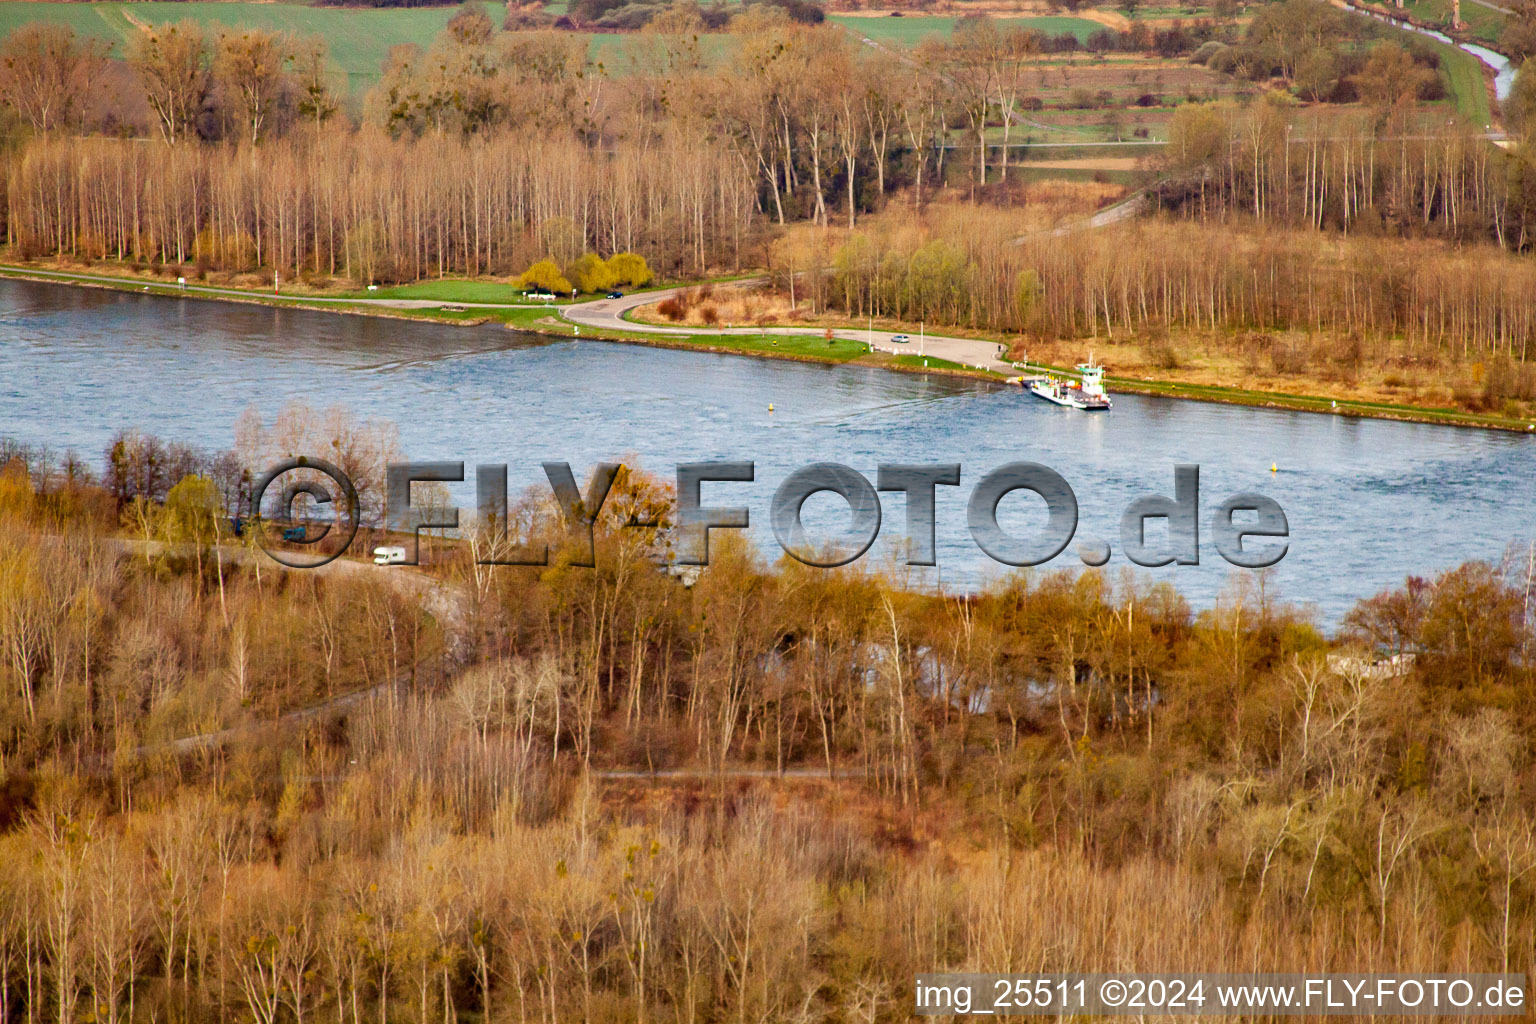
1485	22
1184	11
360	39
447	290
1464	81
802	346
913	29
927	363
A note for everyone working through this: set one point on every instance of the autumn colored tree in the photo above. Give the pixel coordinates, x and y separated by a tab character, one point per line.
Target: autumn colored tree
1390	77
545	276
193	515
589	273
629	269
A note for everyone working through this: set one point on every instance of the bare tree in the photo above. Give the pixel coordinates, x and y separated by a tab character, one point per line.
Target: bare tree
317	80
250	69
46	73
171	62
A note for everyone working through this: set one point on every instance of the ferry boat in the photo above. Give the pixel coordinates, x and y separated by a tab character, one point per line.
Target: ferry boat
1088	395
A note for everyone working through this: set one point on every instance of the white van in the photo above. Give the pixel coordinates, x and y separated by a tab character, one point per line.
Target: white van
389	556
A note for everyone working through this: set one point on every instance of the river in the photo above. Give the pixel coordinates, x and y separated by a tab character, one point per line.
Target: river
1502	67
1368	501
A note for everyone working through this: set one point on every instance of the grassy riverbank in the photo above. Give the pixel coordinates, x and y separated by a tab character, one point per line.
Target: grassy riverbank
545	319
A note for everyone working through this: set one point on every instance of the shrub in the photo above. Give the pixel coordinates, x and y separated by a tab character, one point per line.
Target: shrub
1287	359
588	11
525	18
1163	356
1225	60
1207	50
628	17
471	26
806	12
671	309
709	315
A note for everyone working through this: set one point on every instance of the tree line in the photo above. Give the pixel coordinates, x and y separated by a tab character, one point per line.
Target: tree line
791	122
489	151
1388	169
1373	298
372	208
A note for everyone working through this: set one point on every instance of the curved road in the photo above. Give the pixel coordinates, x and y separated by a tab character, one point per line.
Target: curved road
601	313
609	315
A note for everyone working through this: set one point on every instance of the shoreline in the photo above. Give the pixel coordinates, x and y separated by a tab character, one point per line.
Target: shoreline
529	319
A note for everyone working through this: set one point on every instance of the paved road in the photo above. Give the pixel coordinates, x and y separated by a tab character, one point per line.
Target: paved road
1131	206
608	314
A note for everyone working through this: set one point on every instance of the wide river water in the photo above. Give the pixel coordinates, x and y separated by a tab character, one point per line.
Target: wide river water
1368	502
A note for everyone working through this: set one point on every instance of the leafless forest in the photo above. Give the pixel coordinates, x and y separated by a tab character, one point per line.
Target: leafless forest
1380	228
493	148
602	794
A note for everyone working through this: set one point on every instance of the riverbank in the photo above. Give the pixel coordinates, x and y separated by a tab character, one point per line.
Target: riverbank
548	320
541	318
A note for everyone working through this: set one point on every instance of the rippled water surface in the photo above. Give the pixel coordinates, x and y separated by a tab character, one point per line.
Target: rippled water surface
1368	501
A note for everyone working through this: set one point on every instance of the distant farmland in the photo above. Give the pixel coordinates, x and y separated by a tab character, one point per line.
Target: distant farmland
360	38
913	29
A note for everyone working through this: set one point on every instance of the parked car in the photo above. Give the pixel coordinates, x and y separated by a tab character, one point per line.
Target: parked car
294	535
389	556
901	339
615	295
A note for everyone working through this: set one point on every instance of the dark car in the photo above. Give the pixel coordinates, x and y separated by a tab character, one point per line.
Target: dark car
615	295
